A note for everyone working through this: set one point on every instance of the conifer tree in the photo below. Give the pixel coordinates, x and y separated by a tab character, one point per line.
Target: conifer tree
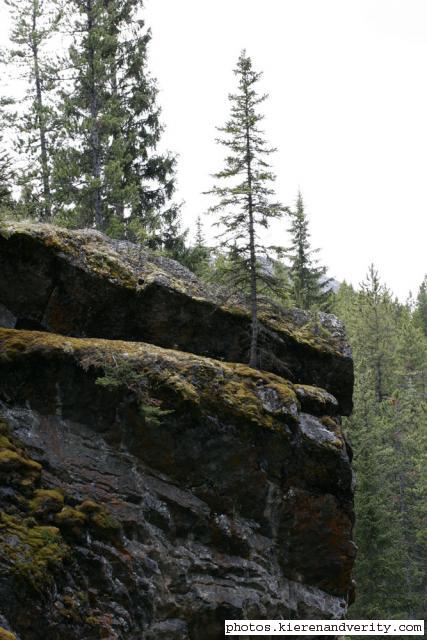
200	238
388	431
200	252
196	257
421	309
245	202
7	169
34	22
6	177
109	172
377	314
308	281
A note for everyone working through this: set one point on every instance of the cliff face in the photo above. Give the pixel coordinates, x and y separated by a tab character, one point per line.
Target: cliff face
85	285
151	492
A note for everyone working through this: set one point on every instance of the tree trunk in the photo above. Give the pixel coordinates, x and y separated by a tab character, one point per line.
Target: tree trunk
118	204
378	361
253	357
41	121
94	133
405	522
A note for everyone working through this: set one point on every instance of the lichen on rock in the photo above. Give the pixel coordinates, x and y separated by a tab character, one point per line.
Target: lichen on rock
81	283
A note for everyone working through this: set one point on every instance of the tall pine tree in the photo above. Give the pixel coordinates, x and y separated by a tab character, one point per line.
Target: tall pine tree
245	202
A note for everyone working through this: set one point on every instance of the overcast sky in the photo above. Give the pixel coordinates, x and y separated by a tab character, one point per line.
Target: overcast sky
347	111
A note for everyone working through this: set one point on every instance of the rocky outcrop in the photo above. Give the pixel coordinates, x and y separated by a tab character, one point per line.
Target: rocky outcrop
83	284
150	493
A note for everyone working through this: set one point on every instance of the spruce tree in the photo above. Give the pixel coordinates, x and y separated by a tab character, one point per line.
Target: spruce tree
308	281
245	202
388	431
421	307
6	180
378	316
7	168
196	257
34	23
108	172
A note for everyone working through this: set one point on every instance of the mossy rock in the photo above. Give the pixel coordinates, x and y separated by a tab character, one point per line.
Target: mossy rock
167	379
15	465
6	635
316	400
46	501
63	281
4	428
33	553
103	525
88	515
89	506
10	459
70	520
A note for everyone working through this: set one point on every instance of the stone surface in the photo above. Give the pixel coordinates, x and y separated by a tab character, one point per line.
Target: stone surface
7	319
151	493
81	283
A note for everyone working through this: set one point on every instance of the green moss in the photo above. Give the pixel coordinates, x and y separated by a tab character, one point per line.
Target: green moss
46	501
104	525
70	515
322	400
166	379
332	426
33	553
314	392
4	428
12	458
311	334
98	519
6	635
5	443
89	506
111	267
30	550
70	520
97	254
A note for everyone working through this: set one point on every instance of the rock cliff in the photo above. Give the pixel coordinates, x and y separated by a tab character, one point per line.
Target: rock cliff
85	285
152	484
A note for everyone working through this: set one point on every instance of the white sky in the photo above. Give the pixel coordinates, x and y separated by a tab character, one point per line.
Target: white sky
347	111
